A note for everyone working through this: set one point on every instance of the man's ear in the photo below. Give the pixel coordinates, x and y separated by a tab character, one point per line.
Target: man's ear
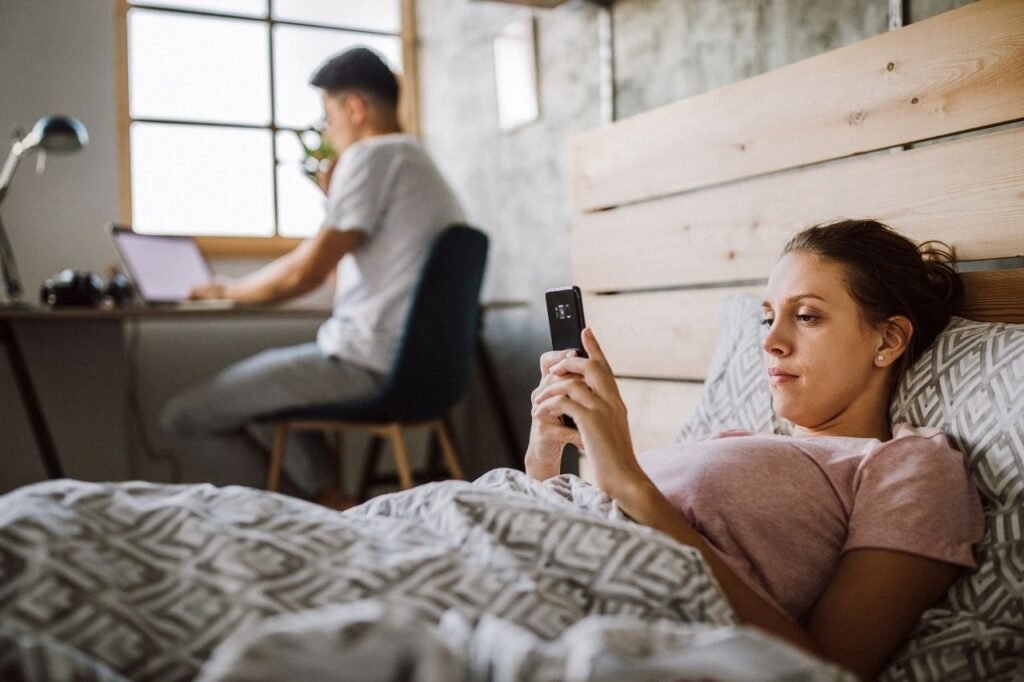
895	339
357	108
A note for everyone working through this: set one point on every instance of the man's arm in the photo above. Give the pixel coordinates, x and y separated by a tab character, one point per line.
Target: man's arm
298	272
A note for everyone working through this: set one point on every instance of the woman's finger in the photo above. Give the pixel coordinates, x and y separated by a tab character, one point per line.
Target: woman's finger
592	347
558	405
572	387
545	381
596	374
552	357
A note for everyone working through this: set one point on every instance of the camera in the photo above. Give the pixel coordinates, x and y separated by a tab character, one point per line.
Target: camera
81	288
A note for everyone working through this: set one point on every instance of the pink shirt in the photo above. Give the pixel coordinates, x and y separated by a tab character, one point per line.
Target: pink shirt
782	510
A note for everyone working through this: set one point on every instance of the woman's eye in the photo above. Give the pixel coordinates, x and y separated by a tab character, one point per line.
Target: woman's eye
807	318
767	321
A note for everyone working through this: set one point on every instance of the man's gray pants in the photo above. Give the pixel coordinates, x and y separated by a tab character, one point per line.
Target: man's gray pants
213	423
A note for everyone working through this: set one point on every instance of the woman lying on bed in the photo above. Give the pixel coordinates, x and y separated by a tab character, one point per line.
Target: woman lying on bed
838	537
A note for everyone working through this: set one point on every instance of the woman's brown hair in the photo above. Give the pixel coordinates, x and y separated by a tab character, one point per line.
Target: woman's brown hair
887	274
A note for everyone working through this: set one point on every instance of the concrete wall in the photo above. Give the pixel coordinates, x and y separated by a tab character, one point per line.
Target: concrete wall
58	56
54	58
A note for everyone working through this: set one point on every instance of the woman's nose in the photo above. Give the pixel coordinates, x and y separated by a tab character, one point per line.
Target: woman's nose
774	341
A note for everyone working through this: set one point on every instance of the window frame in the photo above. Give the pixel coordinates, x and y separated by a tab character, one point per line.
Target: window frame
247	247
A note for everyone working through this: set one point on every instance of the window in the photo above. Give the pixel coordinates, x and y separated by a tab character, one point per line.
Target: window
214	96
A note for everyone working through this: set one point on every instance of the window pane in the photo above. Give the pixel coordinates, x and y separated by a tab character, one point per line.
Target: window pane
300	202
515	74
245	8
297	54
288	148
375	15
201	180
197	68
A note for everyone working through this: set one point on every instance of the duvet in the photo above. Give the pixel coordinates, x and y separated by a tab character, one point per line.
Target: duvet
505	578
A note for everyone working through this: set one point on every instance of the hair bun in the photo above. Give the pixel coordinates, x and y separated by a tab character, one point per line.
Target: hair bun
940	266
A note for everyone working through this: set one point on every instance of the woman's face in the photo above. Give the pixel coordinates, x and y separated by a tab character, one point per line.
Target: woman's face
819	351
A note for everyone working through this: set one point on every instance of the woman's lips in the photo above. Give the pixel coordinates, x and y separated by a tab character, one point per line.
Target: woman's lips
777	376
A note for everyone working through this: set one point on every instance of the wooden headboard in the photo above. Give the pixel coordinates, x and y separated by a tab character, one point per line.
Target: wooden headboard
682	205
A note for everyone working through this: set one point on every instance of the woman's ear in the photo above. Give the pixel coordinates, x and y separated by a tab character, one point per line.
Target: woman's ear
896	334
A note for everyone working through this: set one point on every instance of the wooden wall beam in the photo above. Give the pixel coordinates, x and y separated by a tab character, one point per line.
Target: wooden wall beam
960	70
968	193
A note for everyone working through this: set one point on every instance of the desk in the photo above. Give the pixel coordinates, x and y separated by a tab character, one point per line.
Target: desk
9	317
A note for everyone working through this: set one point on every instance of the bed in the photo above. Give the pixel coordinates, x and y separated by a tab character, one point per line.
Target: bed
677	211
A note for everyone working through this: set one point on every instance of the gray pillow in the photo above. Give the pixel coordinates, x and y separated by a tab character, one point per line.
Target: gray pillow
970	383
735	393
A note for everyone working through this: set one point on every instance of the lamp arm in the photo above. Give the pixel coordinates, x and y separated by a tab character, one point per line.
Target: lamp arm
12	281
10	165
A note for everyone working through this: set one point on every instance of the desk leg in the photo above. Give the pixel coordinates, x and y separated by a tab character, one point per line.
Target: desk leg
40	429
493	388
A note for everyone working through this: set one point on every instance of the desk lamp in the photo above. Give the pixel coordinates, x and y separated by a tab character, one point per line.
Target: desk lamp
58	134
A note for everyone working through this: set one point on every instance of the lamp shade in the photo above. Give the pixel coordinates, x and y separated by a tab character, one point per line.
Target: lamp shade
58	134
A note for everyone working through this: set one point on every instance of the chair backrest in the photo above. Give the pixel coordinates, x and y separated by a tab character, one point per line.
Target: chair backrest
435	356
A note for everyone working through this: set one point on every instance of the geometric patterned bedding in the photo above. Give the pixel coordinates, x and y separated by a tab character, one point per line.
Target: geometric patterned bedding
504	578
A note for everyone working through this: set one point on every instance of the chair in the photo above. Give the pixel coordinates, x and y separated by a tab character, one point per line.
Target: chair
431	369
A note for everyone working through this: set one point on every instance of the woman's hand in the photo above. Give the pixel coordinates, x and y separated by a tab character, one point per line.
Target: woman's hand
547	434
585	389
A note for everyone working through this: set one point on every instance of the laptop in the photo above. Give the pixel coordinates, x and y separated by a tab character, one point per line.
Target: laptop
165	268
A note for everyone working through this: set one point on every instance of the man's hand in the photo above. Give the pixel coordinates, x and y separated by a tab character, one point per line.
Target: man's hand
212	289
323	177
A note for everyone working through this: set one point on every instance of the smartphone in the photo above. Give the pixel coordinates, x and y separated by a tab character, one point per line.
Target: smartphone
565	317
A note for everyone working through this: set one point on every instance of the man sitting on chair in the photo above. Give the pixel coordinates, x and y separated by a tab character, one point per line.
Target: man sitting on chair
386	202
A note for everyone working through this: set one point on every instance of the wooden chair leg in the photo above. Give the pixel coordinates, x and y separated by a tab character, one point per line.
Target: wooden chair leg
401	456
277	455
451	459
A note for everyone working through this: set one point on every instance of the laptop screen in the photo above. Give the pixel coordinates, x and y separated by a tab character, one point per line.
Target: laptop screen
165	269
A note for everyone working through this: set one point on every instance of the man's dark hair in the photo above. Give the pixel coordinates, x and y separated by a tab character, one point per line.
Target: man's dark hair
359	69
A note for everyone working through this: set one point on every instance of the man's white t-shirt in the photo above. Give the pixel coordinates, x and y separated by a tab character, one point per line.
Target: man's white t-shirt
387	187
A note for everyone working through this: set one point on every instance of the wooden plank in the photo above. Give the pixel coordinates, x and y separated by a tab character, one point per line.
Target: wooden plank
246	247
664	334
657	409
958	71
995	296
409	99
968	193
